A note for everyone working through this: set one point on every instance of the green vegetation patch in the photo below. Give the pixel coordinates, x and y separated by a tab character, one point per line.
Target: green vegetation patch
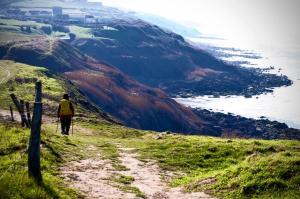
124	183
226	168
81	32
14	30
123	179
235	168
20	79
131	189
14	22
13	36
275	175
47	4
11	29
14	180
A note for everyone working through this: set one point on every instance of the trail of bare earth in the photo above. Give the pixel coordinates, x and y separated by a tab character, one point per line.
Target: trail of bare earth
5	77
92	177
148	178
45	119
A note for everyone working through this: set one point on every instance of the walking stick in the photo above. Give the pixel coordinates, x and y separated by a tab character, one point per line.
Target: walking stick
72	125
57	125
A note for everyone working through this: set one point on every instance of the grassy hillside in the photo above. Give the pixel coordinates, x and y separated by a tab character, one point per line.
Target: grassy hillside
225	168
234	168
20	79
10	29
228	168
129	101
14	181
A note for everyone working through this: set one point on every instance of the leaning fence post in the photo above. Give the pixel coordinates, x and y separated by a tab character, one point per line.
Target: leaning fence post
34	168
19	107
11	114
28	113
23	116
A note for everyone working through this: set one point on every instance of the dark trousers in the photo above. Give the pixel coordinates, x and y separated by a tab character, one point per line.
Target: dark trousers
65	125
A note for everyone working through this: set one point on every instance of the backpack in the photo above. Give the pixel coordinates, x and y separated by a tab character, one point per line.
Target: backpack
65	108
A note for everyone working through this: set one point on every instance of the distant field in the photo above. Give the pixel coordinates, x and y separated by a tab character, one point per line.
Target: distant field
44	3
10	29
13	22
47	4
81	31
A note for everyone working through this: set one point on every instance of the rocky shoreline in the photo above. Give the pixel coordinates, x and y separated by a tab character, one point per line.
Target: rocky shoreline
229	125
255	82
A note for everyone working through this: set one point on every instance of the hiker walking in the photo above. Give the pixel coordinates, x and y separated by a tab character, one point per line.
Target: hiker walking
65	112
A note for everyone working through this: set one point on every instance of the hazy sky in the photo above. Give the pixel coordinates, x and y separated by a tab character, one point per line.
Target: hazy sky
257	22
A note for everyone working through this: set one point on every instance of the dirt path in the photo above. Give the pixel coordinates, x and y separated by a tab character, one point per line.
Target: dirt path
148	178
5	77
93	178
45	119
6	114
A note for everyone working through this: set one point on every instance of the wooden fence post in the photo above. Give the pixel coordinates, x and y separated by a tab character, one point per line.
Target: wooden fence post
23	116
34	168
11	114
19	107
28	113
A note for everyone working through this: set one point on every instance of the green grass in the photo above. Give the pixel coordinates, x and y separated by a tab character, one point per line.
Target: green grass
47	4
124	179
10	29
17	23
262	176
124	183
20	79
15	182
81	32
16	36
56	151
236	168
131	189
226	168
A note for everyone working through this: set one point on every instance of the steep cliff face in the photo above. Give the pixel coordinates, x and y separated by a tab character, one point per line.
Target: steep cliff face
160	58
130	102
146	52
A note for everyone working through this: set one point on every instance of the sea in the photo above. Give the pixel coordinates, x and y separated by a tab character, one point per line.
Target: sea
282	105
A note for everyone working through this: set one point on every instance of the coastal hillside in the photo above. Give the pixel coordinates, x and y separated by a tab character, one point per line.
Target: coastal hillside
128	101
163	59
147	53
19	78
117	94
105	153
102	159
